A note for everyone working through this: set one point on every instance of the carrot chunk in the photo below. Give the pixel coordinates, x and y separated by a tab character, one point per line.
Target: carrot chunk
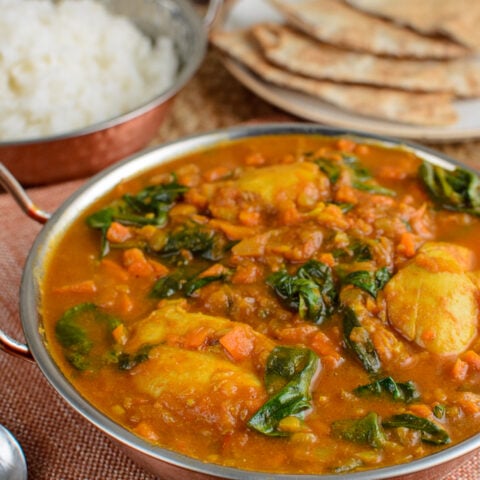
472	359
146	431
87	286
118	233
421	410
238	343
249	218
213	271
407	244
119	334
197	337
459	370
136	263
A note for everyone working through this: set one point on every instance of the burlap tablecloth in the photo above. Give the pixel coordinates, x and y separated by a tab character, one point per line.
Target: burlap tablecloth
59	444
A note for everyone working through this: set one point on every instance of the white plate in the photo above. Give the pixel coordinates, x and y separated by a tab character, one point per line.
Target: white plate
244	13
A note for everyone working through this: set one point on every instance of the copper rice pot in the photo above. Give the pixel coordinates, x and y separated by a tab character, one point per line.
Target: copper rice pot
83	152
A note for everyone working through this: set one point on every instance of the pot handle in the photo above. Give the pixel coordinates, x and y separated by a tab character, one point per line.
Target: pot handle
12	186
18	349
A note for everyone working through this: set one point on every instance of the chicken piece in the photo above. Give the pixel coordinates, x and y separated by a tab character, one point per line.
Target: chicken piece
173	321
190	375
287	181
200	388
475	278
445	257
433	301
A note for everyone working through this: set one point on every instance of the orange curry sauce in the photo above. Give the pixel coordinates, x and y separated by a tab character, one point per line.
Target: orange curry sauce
179	321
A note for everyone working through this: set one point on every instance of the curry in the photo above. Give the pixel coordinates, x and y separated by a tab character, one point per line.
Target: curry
294	304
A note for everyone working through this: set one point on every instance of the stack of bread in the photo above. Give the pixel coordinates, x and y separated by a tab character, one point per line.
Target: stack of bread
405	61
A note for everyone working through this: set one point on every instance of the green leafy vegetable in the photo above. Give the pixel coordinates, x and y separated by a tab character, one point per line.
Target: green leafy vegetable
148	207
366	430
356	252
288	376
85	333
430	432
310	291
198	282
155	199
456	189
169	285
439	411
358	341
180	282
331	169
198	240
343	206
192	237
362	178
399	392
370	282
373	188
128	361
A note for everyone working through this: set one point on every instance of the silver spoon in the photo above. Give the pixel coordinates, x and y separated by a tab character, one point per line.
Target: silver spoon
13	465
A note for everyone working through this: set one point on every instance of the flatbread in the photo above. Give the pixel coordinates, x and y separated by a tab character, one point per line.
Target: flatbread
459	19
302	54
395	105
335	22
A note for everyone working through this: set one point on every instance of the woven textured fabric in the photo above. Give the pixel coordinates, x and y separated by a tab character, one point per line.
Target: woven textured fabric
59	443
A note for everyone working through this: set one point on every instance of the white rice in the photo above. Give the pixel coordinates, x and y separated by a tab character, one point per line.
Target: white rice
66	66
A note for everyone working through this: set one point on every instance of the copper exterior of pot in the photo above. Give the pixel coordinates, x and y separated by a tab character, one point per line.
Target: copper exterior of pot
86	151
167	464
81	156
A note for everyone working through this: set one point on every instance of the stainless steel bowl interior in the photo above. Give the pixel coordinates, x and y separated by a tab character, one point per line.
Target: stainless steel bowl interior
96	188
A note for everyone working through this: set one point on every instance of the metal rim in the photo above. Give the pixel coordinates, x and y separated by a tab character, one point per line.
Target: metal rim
139	163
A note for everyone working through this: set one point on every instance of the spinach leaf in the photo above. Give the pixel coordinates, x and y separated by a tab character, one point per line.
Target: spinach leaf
180	282
155	199
430	432
331	169
356	252
198	282
373	188
343	206
288	376
148	207
128	361
198	240
191	236
322	275
457	189
169	285
358	341
362	178
439	411
84	332
370	282
310	291
361	252
399	392
366	430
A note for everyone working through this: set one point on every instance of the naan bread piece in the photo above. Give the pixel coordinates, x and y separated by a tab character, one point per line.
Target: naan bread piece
395	105
458	19
334	22
302	54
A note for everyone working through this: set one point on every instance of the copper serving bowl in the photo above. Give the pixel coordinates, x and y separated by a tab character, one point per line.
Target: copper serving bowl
85	151
162	462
